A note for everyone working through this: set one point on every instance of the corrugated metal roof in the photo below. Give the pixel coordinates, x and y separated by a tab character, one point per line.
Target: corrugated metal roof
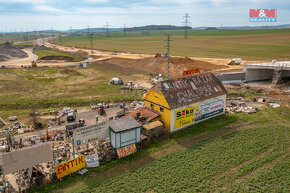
150	114
188	90
123	124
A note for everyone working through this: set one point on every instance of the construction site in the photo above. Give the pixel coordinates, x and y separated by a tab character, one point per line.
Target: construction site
76	117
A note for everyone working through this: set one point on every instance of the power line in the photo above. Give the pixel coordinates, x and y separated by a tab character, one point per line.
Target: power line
186	17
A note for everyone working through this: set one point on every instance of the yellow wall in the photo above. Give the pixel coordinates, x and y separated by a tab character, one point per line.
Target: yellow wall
158	100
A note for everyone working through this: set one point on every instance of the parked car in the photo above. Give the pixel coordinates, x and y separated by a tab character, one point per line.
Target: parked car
71	116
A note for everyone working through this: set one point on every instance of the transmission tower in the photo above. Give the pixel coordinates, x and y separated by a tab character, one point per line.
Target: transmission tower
168	55
107	29
124	30
186	22
70	30
88	29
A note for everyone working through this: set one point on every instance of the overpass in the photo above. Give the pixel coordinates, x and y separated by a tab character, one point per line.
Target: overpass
267	71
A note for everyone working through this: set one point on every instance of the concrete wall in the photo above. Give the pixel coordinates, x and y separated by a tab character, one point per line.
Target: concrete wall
231	76
263	74
258	74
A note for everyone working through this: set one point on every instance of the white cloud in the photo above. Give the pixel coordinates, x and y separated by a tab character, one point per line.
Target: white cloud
96	1
46	8
23	1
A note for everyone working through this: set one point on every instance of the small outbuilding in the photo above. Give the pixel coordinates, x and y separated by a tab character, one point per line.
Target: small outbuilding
124	132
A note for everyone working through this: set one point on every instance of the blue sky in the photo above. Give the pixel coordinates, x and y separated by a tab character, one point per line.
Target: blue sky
21	15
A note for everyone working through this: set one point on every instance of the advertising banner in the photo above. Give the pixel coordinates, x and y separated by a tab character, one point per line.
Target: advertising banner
92	161
26	157
69	167
185	116
209	109
125	151
83	135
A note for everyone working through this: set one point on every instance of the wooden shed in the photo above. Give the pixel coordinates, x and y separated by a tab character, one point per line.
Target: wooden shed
124	132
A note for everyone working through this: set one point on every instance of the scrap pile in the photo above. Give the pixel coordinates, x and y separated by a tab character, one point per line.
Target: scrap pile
132	86
238	105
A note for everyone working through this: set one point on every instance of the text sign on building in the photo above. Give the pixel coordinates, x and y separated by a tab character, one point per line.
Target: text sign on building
192	71
263	15
125	151
26	157
185	116
84	135
69	167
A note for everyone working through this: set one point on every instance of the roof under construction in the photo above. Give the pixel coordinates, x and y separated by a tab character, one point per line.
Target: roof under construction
191	89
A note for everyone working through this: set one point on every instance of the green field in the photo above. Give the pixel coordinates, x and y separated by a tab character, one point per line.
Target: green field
247	44
45	53
246	153
23	89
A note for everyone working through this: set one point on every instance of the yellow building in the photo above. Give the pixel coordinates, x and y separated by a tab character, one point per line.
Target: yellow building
186	101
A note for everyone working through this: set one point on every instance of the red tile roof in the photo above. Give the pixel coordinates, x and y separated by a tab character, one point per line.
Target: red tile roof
149	113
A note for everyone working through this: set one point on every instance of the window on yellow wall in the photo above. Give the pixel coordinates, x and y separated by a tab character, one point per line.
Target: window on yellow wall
152	106
161	109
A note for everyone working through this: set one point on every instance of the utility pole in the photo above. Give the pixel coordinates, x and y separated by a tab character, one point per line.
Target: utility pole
60	39
168	55
186	22
70	30
124	30
221	27
92	43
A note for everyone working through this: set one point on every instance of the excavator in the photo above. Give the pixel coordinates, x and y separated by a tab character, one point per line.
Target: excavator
33	64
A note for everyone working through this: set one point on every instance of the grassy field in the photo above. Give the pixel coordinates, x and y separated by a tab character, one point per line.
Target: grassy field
22	89
52	53
247	44
251	154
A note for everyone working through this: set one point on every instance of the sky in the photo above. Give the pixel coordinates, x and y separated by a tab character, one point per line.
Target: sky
22	15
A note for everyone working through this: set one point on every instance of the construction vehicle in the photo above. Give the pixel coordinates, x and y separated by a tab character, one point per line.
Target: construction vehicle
157	55
235	61
33	64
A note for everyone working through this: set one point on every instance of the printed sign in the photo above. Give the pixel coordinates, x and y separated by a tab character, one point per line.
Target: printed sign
84	135
125	151
26	157
192	71
209	109
263	15
185	116
69	167
92	161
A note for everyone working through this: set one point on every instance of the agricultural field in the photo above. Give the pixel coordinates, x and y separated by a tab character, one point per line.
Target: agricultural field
229	153
40	88
247	44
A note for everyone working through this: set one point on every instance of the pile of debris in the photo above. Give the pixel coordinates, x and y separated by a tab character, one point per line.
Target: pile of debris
238	105
136	104
132	86
156	79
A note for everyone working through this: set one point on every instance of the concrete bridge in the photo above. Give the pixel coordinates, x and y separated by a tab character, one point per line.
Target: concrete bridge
267	71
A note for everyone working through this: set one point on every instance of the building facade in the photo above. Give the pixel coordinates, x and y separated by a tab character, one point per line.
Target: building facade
186	101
